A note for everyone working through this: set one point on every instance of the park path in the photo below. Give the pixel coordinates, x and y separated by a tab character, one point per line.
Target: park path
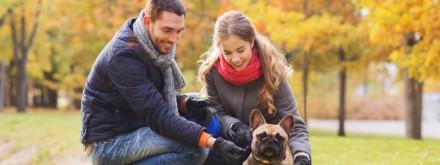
380	127
25	156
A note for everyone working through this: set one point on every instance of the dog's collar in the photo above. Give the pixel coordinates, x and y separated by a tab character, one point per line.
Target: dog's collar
262	161
259	160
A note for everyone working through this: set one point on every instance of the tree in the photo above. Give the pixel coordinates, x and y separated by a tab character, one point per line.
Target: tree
199	20
2	83
71	38
2	69
411	30
21	45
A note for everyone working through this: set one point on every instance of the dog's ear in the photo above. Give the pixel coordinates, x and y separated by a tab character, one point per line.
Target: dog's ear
256	119
288	122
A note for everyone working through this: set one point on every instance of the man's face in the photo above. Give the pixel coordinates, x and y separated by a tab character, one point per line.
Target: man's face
165	31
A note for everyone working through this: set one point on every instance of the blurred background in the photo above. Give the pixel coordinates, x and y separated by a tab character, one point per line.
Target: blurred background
354	60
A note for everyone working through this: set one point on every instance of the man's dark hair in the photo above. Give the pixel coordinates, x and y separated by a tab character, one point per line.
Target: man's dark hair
155	7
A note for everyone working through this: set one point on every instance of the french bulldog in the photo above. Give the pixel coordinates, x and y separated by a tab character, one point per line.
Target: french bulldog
269	141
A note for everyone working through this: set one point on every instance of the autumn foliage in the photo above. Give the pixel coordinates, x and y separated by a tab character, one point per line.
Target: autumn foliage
313	34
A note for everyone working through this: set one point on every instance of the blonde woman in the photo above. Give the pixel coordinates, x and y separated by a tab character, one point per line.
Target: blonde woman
243	71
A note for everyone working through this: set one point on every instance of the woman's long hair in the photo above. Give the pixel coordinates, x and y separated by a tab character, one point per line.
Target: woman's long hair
273	63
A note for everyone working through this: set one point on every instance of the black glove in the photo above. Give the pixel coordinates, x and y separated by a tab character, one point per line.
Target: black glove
198	107
302	160
230	151
242	135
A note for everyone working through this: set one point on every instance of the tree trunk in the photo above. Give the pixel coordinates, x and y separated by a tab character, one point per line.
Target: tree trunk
305	69
365	83
2	73
383	85
12	91
21	87
413	95
77	101
8	96
48	97
413	106
2	84
342	86
52	98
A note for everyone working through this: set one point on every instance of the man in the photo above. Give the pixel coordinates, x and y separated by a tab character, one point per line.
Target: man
130	108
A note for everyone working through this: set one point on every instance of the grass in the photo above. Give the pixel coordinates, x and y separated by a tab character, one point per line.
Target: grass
56	137
365	149
54	134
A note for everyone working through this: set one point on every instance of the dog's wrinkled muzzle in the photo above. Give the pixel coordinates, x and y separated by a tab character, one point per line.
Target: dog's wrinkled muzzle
271	150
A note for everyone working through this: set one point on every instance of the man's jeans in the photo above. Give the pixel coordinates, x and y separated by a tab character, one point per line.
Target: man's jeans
144	146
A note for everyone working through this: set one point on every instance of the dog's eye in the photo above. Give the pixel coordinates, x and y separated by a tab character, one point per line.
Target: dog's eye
279	137
262	136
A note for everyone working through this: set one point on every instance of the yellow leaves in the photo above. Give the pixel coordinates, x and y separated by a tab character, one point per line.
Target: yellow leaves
399	56
37	64
318	33
421	61
283	4
307	46
433	53
227	5
429	54
273	21
283	27
76	40
404	23
390	21
76	31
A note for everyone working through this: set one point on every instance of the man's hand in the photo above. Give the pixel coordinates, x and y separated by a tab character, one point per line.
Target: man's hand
230	151
198	107
243	135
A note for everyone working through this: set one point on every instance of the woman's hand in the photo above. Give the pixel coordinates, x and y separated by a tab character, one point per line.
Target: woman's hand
230	151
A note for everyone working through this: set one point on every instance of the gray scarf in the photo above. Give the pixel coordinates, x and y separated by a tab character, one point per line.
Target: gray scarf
164	62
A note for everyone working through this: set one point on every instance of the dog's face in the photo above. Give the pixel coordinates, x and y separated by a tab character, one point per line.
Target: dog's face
269	142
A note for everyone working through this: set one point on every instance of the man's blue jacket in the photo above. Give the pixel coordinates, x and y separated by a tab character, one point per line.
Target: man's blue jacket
122	94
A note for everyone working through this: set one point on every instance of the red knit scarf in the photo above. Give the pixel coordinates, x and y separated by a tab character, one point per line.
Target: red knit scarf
248	74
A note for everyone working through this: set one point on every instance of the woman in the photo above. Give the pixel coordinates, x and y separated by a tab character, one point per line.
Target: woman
243	71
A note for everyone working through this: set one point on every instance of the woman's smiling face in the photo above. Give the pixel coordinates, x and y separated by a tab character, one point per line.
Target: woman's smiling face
237	52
